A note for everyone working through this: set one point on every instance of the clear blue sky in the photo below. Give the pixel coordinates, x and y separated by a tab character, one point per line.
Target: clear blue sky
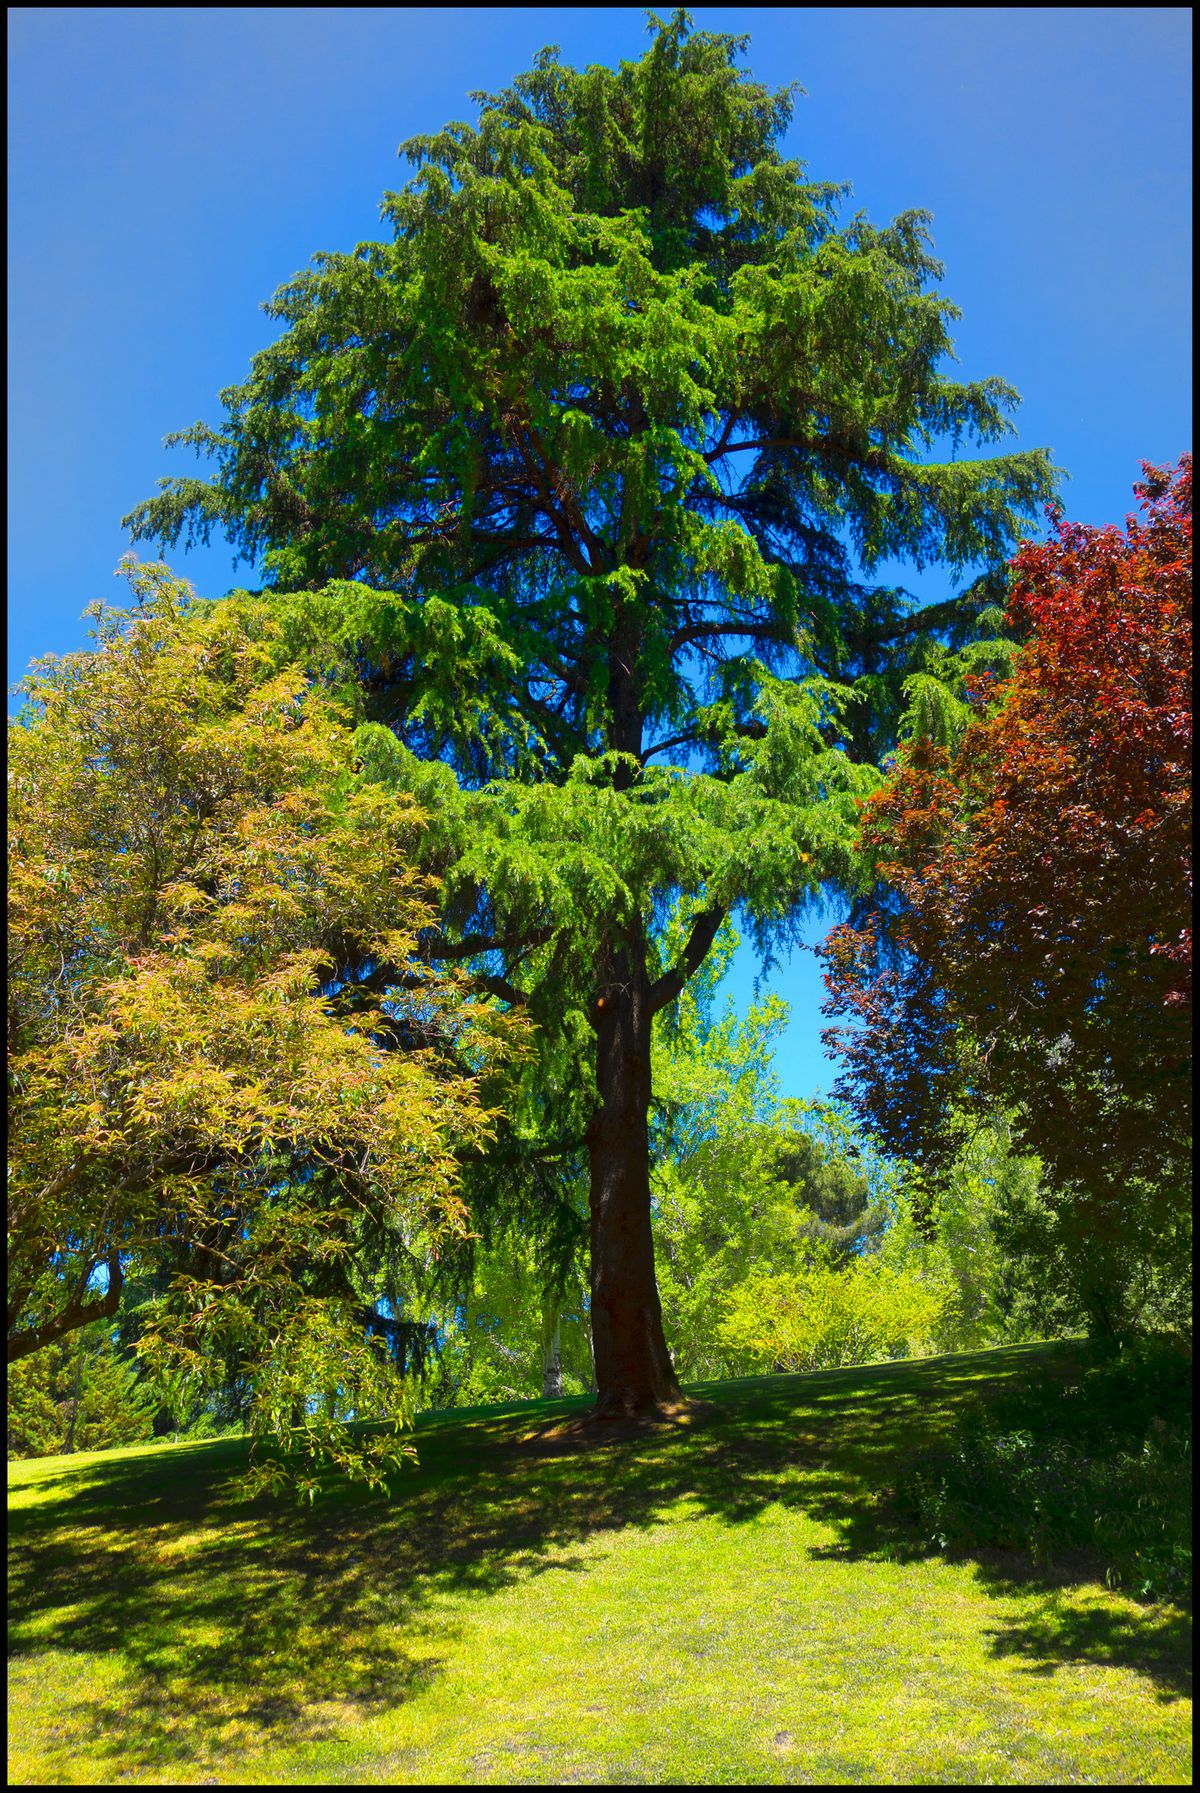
169	167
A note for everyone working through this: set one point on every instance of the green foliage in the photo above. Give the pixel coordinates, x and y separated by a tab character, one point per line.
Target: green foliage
827	1315
1100	1466
1132	1273
743	1180
957	1237
223	1066
497	1341
595	300
745	1183
613	428
79	1394
185	1406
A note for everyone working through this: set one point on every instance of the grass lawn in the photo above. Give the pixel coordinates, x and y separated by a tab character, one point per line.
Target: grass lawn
722	1601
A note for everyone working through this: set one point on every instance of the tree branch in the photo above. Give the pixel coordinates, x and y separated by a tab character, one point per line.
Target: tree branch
762	631
525	436
688	740
715	454
704	931
472	945
77	1313
500	986
520	1151
876	459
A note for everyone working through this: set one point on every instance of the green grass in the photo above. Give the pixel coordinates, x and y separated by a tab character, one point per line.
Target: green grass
724	1600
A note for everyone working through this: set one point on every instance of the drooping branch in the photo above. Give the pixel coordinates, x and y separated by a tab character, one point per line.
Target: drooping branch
876	460
526	439
499	986
690	739
18	1204
525	1152
759	631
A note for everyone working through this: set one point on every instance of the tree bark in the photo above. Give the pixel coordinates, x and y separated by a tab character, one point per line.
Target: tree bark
76	1391
634	1373
551	1349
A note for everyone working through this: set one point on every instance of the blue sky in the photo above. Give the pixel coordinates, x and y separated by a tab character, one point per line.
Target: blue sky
170	167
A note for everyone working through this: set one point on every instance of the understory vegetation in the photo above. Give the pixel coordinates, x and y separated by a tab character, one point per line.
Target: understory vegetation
1096	1467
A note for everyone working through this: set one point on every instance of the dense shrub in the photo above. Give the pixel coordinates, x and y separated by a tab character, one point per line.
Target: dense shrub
828	1315
1099	1467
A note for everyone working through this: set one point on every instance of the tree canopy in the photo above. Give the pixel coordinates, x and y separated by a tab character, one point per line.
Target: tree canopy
1041	931
584	474
78	1394
220	1061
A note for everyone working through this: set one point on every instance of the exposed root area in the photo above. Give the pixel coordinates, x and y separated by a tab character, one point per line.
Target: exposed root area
599	1427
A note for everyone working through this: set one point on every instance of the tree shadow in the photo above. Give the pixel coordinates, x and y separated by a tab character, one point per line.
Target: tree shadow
244	1625
1156	1644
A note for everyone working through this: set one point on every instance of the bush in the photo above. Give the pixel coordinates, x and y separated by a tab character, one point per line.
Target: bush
1100	1467
829	1314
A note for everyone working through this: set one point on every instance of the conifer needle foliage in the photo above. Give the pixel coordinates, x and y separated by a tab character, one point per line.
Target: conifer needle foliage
586	473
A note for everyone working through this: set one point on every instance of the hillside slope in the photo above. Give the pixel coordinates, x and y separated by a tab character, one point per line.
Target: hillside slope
723	1601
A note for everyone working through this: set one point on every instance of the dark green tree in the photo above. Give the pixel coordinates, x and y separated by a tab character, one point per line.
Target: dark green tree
584	470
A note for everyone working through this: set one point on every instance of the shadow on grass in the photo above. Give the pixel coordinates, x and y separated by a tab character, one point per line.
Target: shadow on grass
241	1625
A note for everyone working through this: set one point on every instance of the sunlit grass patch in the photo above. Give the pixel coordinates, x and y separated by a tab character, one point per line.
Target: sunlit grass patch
721	1601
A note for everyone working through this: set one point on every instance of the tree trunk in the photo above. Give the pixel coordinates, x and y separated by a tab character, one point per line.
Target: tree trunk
551	1349
634	1373
76	1387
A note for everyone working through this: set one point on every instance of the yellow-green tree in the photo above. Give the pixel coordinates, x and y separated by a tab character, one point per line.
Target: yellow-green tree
221	1054
825	1315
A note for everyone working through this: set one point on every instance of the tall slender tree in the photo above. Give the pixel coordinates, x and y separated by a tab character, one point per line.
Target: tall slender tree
586	467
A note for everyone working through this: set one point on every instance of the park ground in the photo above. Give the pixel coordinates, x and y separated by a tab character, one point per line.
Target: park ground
725	1600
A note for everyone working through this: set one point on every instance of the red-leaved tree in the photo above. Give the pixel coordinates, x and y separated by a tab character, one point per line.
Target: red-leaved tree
1032	953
